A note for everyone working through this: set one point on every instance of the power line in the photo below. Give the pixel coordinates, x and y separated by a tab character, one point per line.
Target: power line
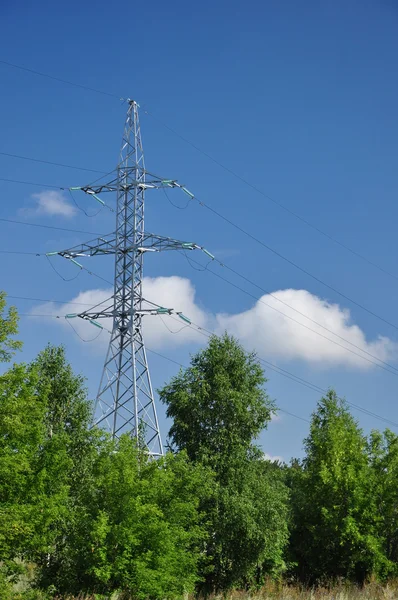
78	85
279	370
314	387
308	273
387	367
185	367
257	240
291	262
47	300
276	202
47	227
20	252
56	187
254	238
203	204
218	163
47	162
295	310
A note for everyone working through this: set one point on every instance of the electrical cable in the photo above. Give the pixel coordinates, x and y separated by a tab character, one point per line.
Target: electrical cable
47	162
59	274
185	367
78	85
291	262
314	387
276	202
44	300
215	161
258	300
99	91
80	337
170	330
50	227
387	366
278	370
176	205
190	262
292	308
82	209
56	187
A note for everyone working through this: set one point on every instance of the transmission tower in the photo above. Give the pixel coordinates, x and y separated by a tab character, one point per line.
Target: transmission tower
125	401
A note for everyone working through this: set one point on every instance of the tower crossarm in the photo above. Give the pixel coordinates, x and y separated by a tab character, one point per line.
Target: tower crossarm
158	243
95	247
108	312
107	245
127	183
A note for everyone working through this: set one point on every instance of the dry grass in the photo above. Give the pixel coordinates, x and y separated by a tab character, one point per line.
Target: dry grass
271	591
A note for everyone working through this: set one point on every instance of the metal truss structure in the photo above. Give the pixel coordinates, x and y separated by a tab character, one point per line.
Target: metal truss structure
125	401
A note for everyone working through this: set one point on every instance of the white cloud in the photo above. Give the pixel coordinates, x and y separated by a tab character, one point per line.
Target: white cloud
276	335
51	203
271	334
178	293
160	331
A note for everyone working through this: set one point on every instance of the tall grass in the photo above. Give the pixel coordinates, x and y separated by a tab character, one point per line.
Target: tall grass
372	591
271	591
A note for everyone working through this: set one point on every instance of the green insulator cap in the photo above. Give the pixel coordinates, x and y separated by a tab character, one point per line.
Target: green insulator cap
51	253
208	253
190	194
163	311
189	245
95	323
71	316
184	318
76	263
75	188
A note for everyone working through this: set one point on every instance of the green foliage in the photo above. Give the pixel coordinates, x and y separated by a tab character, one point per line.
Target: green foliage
68	410
139	530
82	514
219	407
92	514
8	328
383	454
33	485
334	511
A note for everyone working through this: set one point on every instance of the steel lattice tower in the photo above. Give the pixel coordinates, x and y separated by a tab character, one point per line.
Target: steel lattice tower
125	400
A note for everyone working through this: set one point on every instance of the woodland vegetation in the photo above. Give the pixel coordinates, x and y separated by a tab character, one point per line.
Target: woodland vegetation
81	514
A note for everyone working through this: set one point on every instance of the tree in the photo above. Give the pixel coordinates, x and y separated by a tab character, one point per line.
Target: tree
139	529
46	458
33	486
334	529
383	455
8	328
68	410
219	407
66	420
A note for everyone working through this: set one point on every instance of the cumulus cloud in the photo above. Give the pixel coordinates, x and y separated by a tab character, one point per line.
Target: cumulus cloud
270	333
51	203
160	331
278	335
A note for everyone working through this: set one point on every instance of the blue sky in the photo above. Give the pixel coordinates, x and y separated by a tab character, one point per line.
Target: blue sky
299	99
